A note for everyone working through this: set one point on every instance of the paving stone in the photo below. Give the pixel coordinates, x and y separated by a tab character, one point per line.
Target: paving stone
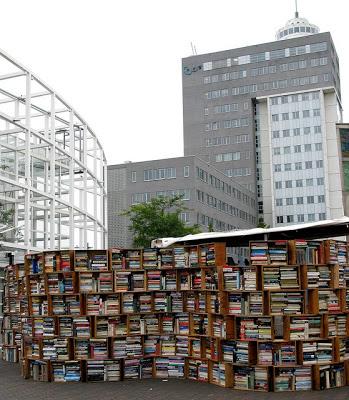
14	387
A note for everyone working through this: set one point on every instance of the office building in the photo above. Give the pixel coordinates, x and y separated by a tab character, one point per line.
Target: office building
266	114
212	199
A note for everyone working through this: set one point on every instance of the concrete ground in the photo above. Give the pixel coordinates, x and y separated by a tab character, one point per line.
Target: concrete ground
14	387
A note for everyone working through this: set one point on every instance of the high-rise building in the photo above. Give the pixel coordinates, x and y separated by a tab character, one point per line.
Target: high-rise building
266	114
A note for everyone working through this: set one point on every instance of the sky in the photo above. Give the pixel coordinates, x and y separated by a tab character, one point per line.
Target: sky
118	63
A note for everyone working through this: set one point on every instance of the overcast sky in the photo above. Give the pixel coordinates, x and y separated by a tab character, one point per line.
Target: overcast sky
118	63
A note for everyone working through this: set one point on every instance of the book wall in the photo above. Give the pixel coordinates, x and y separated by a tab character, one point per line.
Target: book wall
15	307
277	324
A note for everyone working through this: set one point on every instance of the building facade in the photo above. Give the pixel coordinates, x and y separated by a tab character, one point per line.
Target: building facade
343	134
211	198
53	168
266	114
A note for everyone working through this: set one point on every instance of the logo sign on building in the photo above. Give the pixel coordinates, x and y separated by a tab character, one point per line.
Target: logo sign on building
192	68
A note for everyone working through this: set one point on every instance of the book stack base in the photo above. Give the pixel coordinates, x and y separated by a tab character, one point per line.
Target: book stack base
280	323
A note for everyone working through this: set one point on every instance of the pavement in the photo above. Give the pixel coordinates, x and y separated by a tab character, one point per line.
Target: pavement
14	387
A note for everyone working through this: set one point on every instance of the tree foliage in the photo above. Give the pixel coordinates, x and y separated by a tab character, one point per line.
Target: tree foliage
6	218
158	218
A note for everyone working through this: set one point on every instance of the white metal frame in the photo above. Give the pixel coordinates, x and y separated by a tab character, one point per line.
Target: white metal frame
52	166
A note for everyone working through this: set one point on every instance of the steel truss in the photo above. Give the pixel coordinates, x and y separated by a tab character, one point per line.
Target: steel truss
52	166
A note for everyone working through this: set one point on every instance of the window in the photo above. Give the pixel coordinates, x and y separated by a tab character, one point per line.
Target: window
302	64
317	129
320	181
298	166
296	132
133	176
277	151
306	113
275	117
283	67
289	201
308	165
319	164
305	96
322	216
276	134
295	98
285	116
299	183
288	167
311	217
186	171
307	147
300	218
309	182
277	167
184	216
306	130
316	112
299	200
280	219
274	101
289	218
278	185
287	150
288	184
278	202
310	199
284	99
316	95
205	111
318	146
298	148
321	199
295	115
286	133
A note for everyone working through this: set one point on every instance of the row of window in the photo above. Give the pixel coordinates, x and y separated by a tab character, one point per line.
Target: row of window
296	115
266	70
300	218
297	29
226	140
272	85
265	56
307	130
298	148
226	108
224	187
233	156
216	224
137	198
226	208
228	124
295	98
298	183
235	172
290	201
159	173
298	166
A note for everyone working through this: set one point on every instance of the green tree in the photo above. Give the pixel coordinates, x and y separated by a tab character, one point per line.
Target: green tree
262	224
6	219
158	218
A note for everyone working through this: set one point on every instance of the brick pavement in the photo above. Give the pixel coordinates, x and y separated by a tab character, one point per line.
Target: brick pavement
14	387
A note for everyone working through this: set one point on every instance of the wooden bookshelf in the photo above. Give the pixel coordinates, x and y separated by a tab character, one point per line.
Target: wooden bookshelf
280	323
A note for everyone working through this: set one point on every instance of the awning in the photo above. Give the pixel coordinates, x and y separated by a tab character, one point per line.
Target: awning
313	230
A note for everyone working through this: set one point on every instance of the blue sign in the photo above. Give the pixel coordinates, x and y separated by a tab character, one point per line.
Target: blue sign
190	70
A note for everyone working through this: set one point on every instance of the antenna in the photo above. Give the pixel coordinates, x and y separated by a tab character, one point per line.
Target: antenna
296	13
193	49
